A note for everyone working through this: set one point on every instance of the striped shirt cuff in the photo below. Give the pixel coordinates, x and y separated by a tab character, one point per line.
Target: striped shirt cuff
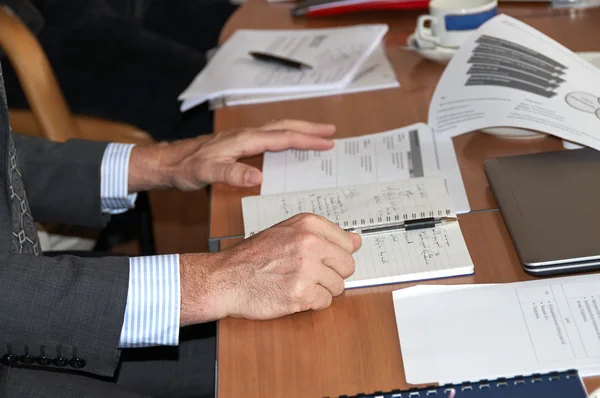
114	174
153	302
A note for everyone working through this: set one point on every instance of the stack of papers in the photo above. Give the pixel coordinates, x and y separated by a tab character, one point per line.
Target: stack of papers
343	60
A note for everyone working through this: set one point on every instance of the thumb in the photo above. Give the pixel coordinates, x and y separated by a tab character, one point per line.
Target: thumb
237	174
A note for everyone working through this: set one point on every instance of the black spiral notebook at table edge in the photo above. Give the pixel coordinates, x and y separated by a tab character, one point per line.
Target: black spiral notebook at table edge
511	385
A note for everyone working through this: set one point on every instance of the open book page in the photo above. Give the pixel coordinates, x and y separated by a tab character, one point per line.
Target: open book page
335	56
519	328
509	74
375	74
352	206
408	152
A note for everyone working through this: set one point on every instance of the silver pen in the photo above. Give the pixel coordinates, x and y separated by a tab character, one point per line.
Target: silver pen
409	225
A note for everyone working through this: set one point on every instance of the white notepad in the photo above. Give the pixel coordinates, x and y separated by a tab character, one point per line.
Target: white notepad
375	74
394	257
335	55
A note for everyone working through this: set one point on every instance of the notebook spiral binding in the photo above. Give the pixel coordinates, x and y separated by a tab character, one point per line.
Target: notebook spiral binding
390	219
443	391
387	219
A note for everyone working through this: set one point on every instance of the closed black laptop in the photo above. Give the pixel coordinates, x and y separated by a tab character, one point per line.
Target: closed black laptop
551	206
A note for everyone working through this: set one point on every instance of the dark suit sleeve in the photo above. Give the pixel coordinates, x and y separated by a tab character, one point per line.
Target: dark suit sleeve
62	179
63	307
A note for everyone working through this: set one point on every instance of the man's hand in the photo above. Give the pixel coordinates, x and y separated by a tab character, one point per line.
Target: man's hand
297	265
191	164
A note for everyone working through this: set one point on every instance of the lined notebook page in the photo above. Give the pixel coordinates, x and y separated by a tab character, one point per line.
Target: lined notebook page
385	258
353	206
411	255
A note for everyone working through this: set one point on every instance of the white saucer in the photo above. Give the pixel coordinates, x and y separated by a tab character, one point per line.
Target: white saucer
429	51
592	57
513	133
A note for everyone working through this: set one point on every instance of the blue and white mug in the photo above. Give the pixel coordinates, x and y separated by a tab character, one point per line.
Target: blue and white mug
452	21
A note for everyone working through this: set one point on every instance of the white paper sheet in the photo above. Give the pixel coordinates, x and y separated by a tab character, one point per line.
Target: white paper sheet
408	152
375	74
500	330
509	74
335	54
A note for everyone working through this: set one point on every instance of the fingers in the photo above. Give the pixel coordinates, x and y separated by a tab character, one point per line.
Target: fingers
301	126
329	231
356	241
322	298
330	278
236	174
333	245
261	141
338	260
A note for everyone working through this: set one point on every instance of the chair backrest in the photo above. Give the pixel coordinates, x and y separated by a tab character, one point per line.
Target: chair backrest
37	79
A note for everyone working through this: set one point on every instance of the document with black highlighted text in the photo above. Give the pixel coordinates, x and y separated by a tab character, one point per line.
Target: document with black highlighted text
508	74
408	152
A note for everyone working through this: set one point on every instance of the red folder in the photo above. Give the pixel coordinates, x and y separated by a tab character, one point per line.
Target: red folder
323	8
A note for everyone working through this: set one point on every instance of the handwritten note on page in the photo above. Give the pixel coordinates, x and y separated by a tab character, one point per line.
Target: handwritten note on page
385	258
411	255
352	206
408	152
501	330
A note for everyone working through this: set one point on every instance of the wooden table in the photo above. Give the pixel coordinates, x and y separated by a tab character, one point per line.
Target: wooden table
353	346
372	112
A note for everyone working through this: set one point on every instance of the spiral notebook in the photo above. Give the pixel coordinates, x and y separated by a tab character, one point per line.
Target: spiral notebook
390	257
566	384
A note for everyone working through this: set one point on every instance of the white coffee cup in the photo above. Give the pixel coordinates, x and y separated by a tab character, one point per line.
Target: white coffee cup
452	21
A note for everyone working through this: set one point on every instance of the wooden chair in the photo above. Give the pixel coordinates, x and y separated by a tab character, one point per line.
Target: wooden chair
50	117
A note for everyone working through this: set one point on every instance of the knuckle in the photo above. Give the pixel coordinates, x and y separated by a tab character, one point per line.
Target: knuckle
301	296
229	173
287	134
307	241
307	219
244	134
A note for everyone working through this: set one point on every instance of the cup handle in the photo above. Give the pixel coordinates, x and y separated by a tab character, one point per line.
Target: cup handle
424	32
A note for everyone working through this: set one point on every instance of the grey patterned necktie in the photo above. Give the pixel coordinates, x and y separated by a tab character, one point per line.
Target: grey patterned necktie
24	238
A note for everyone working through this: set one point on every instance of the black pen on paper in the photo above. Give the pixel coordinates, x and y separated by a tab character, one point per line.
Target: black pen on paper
275	59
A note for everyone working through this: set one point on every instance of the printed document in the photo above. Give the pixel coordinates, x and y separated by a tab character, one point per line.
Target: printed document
407	152
334	54
389	256
375	74
509	74
455	334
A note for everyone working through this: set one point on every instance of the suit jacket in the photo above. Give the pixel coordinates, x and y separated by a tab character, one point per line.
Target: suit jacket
57	309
